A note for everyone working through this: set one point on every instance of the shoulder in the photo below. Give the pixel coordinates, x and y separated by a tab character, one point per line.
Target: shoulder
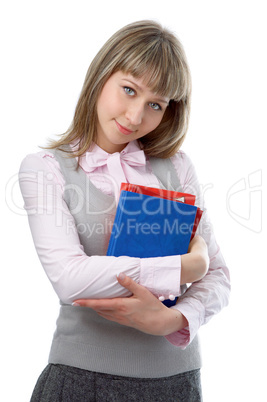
181	158
36	160
42	162
183	166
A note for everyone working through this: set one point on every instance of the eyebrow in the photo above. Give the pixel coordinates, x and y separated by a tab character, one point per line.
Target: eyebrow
140	89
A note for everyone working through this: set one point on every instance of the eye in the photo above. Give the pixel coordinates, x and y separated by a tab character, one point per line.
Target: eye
155	106
129	91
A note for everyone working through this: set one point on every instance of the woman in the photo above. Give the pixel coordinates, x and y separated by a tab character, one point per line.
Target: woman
116	341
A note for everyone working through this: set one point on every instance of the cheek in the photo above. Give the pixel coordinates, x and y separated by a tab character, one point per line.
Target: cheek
104	103
110	106
154	122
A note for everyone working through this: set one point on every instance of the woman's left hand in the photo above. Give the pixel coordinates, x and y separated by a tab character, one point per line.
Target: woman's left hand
142	310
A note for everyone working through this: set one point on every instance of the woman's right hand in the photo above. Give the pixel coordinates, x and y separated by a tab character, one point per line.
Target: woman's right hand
195	263
142	310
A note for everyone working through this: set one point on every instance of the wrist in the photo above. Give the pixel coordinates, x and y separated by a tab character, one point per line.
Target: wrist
194	264
176	322
194	267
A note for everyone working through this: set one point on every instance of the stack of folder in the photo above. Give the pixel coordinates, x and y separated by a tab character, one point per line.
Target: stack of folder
151	222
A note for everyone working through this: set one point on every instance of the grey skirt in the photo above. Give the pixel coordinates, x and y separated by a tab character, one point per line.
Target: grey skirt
60	383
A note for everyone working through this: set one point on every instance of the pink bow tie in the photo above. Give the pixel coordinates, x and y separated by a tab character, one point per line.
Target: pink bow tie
117	163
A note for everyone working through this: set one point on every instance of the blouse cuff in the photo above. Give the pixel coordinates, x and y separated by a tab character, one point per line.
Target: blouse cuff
185	336
161	275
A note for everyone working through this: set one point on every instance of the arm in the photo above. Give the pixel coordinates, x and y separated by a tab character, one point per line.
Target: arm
72	273
141	311
203	300
194	264
144	311
208	296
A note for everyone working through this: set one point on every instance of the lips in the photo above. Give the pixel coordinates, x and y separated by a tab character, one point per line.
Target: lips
123	129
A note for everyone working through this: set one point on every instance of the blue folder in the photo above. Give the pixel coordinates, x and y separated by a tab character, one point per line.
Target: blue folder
147	226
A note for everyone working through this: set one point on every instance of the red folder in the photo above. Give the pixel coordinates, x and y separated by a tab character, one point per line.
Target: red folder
159	192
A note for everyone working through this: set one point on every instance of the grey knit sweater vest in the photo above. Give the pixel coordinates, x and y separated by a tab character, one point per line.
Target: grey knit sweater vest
83	339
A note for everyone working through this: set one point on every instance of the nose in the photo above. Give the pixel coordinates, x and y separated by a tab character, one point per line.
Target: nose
135	114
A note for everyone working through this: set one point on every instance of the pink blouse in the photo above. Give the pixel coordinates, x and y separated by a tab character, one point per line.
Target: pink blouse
74	275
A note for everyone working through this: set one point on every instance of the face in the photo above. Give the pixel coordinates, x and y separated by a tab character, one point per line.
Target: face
126	110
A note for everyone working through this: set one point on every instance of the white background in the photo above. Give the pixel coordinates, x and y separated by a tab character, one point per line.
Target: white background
46	47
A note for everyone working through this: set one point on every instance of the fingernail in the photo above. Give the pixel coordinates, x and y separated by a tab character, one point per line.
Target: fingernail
75	304
121	276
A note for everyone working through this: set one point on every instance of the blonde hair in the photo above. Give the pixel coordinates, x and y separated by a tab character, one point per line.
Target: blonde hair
145	50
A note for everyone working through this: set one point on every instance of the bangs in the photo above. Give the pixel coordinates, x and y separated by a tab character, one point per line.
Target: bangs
160	68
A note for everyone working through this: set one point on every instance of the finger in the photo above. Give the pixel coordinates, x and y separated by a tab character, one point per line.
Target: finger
130	284
96	304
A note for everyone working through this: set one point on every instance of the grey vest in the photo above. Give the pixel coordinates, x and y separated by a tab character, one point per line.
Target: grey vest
83	339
